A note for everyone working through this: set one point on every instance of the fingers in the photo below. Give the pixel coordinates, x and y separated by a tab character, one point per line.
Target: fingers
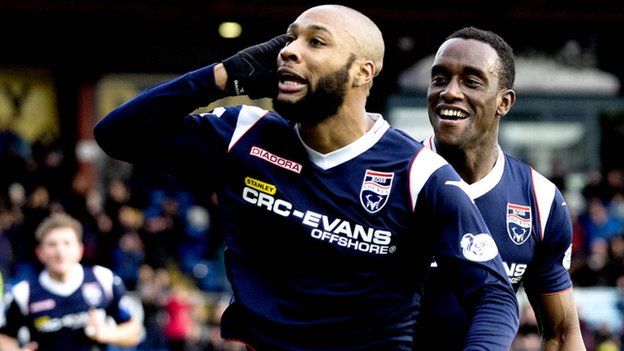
31	346
96	324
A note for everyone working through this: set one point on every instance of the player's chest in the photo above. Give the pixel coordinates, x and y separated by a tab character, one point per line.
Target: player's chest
49	312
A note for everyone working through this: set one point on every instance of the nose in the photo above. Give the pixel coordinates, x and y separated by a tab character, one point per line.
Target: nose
290	52
452	90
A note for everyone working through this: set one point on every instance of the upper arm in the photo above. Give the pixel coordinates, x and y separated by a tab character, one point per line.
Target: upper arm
461	242
548	271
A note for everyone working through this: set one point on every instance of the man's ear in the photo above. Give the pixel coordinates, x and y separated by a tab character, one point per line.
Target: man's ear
506	99
38	253
365	72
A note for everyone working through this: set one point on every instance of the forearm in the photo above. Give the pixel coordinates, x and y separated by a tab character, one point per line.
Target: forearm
127	334
558	321
133	129
567	341
494	322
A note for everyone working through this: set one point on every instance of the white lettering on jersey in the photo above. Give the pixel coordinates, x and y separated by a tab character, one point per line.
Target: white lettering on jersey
515	271
45	324
335	231
478	248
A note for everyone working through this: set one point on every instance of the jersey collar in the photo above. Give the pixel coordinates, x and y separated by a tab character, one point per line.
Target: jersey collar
67	288
351	151
485	184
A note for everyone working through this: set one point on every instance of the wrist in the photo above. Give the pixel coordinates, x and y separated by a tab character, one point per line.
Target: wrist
220	76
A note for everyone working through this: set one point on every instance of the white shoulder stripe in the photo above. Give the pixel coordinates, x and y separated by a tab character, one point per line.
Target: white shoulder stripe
247	117
105	277
545	195
425	163
21	294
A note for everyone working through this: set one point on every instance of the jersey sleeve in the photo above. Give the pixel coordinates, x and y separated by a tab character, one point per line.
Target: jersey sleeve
120	306
13	316
467	255
157	127
548	273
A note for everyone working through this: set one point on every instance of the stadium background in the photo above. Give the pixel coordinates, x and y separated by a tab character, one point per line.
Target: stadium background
64	64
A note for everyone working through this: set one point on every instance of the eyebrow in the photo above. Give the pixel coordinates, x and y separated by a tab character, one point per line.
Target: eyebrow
466	70
314	27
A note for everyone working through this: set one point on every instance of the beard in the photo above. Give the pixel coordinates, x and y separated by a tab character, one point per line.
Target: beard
321	102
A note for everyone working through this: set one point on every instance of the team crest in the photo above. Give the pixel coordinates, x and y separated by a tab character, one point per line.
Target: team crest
375	190
92	294
518	223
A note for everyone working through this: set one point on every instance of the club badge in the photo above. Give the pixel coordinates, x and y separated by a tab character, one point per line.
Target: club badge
518	223
92	294
375	190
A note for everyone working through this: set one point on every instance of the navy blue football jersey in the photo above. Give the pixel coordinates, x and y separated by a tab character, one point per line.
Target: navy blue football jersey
55	313
324	251
530	222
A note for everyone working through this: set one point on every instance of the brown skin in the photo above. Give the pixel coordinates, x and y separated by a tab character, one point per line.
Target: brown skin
465	108
558	321
321	40
464	78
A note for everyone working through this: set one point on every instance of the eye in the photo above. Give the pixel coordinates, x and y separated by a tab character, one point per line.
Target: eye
290	38
472	83
316	42
438	80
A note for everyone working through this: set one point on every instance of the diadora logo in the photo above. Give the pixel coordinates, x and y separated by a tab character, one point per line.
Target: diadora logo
375	190
43	305
518	223
276	160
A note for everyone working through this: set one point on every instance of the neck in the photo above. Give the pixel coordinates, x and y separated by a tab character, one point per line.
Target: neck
472	164
337	131
61	277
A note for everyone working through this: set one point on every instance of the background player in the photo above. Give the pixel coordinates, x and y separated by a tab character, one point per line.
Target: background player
65	307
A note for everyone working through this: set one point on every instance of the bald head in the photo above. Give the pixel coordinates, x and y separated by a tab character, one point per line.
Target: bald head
361	32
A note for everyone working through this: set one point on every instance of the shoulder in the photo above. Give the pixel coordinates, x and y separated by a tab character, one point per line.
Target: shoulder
239	111
21	288
103	275
542	186
20	295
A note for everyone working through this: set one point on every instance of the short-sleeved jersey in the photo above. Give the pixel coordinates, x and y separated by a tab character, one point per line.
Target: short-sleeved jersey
55	313
324	251
530	222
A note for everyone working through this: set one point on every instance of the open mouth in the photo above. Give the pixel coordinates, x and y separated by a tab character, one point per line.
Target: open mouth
288	79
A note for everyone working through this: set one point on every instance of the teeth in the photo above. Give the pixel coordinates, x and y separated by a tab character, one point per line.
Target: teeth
452	113
291	82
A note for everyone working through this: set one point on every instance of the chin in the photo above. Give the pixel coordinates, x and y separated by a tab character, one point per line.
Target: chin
288	98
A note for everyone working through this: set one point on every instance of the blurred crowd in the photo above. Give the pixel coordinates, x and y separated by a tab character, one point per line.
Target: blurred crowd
163	239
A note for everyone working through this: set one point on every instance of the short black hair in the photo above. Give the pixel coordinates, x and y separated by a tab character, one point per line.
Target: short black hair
507	71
